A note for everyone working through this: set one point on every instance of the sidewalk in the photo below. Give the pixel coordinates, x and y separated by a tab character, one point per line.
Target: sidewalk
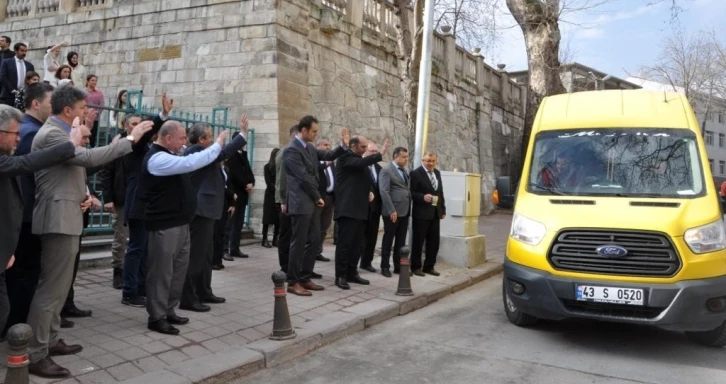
231	340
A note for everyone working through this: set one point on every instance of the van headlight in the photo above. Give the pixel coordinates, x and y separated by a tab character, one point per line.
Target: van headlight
707	238
527	230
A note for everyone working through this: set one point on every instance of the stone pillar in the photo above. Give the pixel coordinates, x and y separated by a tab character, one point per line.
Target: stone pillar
354	11
67	6
3	9
382	24
449	53
506	88
480	72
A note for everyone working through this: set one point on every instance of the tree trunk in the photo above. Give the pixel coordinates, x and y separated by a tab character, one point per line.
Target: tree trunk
409	59
539	22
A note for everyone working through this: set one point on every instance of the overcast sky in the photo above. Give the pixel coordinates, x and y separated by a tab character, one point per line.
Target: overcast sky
618	37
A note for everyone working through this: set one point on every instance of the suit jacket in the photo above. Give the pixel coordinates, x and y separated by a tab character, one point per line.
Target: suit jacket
420	186
29	127
133	207
301	169
11	198
62	188
395	191
280	178
209	182
240	172
353	183
324	182
375	205
9	77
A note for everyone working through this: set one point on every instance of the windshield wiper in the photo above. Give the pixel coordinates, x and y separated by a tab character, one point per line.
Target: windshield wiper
548	189
638	195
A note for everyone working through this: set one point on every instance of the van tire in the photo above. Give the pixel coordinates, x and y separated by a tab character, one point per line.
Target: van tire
514	315
713	338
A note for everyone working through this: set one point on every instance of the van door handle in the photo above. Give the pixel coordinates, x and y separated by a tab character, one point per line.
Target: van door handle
468	195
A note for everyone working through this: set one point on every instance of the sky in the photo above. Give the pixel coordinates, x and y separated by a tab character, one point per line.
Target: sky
617	38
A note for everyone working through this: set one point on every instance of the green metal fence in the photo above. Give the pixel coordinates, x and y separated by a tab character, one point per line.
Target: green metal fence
101	222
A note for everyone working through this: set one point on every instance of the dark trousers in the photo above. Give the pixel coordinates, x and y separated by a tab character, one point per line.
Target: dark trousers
219	227
238	221
425	231
371	237
134	271
303	246
4	302
283	245
199	271
394	234
275	233
347	252
94	135
326	219
22	278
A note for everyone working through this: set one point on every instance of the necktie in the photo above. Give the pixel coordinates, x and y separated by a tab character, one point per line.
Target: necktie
373	173
434	182
405	175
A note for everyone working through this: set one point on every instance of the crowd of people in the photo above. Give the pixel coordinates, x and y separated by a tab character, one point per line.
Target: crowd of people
178	199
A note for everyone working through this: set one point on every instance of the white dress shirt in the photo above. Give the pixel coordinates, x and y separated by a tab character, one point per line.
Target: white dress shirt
20	65
166	164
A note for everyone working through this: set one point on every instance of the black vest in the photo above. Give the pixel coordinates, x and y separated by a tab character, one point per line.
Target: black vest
168	201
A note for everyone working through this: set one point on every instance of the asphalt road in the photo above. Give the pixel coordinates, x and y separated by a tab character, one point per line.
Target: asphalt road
466	338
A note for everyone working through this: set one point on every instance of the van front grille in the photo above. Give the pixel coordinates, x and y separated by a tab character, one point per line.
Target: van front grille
649	254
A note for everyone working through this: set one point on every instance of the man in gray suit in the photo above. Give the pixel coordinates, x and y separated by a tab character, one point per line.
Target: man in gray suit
209	184
393	183
60	196
303	203
11	199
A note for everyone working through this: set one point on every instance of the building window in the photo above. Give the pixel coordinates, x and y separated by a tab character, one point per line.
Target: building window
709	138
710	164
721	140
721	167
720	118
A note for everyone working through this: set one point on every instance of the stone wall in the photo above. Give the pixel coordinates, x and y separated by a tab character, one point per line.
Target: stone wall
278	60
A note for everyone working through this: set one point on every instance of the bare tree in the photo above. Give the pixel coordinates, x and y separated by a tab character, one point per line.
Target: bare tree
692	65
473	22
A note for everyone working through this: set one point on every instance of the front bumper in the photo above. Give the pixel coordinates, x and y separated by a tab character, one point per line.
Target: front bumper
679	307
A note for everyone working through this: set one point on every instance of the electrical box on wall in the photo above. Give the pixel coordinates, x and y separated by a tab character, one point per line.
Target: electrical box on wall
462	192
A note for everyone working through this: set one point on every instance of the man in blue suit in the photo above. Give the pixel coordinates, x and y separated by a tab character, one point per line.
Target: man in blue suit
12	74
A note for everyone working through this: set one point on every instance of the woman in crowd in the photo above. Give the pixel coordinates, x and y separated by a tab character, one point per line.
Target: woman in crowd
78	71
121	103
270	211
51	62
63	73
31	78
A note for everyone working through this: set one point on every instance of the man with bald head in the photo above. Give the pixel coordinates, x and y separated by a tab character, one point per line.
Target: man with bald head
169	202
353	192
374	214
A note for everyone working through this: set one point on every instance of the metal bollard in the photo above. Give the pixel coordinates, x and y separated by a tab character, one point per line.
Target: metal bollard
18	337
281	325
404	275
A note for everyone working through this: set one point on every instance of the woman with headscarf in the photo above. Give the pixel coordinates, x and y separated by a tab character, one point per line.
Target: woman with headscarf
78	71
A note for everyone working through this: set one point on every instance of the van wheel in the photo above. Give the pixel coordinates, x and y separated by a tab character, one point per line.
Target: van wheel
712	338
514	315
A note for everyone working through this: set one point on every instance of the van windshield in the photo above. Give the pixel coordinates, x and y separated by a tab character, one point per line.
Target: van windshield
629	162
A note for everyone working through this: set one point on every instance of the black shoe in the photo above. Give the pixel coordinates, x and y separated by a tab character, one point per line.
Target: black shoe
396	271
214	300
239	254
177	320
322	258
266	243
134	301
368	268
218	267
358	280
314	275
227	257
274	242
75	312
431	271
342	283
163	326
385	272
118	281
65	323
196	307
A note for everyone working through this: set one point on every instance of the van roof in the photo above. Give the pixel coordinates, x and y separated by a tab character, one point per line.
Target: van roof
614	109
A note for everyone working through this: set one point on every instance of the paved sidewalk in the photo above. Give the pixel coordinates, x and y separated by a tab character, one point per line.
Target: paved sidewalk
231	340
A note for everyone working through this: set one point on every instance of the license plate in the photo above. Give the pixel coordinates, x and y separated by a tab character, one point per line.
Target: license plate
629	296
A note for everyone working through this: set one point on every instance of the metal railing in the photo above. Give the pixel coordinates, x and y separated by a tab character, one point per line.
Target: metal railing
100	222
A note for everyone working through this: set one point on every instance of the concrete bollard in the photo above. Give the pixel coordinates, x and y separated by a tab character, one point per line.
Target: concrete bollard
18	337
281	325
404	275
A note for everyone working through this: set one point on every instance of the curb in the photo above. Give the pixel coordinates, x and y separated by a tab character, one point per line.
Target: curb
236	362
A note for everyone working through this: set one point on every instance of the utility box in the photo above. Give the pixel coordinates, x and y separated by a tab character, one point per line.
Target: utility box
462	192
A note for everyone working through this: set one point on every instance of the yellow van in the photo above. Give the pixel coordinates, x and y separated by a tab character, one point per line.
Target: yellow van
617	217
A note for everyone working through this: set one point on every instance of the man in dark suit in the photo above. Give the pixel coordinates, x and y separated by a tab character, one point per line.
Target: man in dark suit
303	203
5	52
429	208
221	224
209	185
374	214
352	195
242	181
12	74
283	242
11	203
327	192
393	184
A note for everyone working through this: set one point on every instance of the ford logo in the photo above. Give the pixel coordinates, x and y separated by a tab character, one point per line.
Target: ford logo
611	251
